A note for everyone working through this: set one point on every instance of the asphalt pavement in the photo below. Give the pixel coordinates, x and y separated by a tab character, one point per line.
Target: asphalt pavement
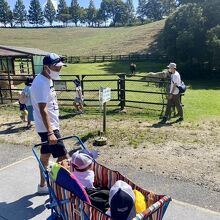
19	177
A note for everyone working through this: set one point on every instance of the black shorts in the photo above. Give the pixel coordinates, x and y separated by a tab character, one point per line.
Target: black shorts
57	150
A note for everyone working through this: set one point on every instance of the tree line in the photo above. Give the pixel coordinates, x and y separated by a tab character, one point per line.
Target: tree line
110	12
191	37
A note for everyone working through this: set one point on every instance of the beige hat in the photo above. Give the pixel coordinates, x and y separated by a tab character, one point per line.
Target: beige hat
172	65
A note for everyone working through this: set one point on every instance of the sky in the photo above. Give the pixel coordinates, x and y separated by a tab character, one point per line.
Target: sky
83	3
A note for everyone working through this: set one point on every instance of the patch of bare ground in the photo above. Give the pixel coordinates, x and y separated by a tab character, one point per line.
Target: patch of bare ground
189	151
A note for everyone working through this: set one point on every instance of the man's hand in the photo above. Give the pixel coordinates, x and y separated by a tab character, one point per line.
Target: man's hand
52	139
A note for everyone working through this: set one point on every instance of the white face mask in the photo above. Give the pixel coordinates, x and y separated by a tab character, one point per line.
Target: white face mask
54	75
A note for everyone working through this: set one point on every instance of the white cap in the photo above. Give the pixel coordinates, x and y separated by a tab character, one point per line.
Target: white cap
172	65
53	59
81	160
122	201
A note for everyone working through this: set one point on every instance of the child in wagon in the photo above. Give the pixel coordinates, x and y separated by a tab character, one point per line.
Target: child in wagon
82	161
125	203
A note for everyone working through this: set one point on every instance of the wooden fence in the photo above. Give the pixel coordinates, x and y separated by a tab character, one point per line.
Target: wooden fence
136	91
112	58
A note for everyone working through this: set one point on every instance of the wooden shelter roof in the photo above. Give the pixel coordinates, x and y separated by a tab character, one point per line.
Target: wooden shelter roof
13	51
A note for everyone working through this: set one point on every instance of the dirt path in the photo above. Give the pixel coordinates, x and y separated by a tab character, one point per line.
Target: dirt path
187	151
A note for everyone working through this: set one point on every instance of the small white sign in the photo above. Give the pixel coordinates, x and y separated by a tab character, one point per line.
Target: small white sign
105	95
60	85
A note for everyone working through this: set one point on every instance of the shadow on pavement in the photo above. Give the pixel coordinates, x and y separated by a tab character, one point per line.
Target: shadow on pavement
20	209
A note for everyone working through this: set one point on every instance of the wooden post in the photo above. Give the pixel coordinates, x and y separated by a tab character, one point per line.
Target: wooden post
1	96
122	90
33	70
28	70
9	79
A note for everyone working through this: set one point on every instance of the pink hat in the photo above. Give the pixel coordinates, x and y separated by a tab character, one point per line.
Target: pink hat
81	160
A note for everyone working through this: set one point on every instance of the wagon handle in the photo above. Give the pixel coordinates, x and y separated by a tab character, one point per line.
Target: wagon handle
63	138
34	150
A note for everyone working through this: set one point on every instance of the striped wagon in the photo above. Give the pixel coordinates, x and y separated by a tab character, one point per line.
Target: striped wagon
68	204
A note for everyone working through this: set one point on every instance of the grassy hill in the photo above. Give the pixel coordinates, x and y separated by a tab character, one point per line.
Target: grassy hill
85	41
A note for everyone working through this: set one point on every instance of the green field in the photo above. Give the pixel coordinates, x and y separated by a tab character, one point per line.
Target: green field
112	68
84	41
201	100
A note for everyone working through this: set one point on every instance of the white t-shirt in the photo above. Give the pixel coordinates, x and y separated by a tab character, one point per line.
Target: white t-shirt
27	93
42	91
79	92
175	78
86	178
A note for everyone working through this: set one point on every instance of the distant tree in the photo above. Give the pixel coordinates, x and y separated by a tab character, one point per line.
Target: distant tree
211	10
213	43
122	14
19	13
91	13
5	12
192	35
184	35
63	14
11	18
130	9
117	11
168	6
99	17
182	2
75	11
83	15
50	12
35	13
154	10
104	11
141	12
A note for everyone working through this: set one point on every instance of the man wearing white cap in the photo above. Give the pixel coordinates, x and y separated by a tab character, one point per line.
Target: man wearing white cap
46	113
174	95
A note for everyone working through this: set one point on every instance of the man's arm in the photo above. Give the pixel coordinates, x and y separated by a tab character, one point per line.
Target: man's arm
174	87
46	120
174	80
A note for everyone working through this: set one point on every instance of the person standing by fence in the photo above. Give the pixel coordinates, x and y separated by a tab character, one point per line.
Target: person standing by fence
27	93
78	100
46	113
174	95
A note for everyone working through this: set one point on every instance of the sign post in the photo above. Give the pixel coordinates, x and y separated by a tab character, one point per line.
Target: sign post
60	85
104	96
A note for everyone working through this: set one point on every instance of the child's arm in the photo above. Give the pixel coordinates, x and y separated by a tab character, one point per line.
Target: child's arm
151	199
